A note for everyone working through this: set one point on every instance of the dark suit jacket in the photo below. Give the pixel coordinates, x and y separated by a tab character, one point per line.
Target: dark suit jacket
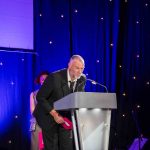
54	88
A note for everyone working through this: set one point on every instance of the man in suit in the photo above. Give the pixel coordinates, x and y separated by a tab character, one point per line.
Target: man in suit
56	86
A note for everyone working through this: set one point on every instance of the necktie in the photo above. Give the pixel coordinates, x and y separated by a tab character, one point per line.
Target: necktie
71	86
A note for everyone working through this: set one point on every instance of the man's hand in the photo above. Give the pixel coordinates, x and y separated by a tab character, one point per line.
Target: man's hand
59	119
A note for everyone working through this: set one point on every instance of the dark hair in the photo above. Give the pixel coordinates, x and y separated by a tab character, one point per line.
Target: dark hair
37	80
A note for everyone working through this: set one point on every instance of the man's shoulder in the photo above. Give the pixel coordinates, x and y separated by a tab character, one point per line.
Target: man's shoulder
61	71
58	75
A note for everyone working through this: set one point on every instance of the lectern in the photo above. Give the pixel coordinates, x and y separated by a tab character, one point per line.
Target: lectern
91	114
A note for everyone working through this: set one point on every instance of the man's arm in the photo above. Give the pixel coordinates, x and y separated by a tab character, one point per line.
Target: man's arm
43	96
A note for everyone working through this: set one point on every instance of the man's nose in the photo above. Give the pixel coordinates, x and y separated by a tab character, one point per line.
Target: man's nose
80	71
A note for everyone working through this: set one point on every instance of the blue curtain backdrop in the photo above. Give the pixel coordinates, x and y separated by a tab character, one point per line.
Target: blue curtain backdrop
16	77
64	28
113	38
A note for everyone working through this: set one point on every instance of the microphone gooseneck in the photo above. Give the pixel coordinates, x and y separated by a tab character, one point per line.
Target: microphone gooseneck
96	83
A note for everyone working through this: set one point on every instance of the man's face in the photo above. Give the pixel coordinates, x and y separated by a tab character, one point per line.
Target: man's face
76	68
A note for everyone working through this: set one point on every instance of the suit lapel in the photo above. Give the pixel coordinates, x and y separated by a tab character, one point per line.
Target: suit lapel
64	83
65	88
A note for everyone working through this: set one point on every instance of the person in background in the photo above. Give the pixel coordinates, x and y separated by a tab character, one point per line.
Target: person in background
34	127
57	85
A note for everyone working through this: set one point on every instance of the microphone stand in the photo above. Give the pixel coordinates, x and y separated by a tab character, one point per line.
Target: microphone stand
138	128
96	83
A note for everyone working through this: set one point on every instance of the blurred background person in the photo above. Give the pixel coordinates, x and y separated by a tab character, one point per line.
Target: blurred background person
34	127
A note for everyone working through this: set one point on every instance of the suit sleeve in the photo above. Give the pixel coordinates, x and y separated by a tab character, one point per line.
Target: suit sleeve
43	95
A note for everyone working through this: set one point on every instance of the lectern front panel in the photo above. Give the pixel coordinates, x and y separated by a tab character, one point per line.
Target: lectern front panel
94	127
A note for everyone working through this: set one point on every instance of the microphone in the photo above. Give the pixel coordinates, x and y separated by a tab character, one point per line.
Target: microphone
96	83
83	79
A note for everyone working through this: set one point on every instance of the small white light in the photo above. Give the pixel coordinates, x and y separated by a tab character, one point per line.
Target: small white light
83	109
147	82
96	110
137	55
123	115
134	77
9	141
16	116
111	44
102	18
50	42
120	66
146	4
22	59
97	61
138	106
1	64
124	94
62	16
87	74
12	83
40	15
75	10
119	20
137	22
126	1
